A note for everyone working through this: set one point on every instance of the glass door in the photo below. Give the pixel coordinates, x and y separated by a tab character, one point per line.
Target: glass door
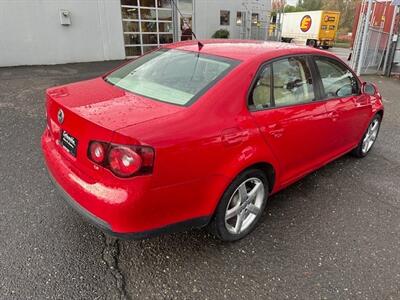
146	25
185	21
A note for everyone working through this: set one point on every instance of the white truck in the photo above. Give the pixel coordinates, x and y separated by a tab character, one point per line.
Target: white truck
312	28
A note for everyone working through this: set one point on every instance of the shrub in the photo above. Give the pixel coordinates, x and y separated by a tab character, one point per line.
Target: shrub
221	34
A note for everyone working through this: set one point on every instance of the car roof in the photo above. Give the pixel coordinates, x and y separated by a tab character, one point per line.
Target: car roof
243	49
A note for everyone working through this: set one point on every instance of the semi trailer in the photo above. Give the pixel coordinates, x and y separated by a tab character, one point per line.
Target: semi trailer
312	28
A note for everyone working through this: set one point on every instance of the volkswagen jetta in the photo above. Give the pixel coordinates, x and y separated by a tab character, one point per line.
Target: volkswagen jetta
185	136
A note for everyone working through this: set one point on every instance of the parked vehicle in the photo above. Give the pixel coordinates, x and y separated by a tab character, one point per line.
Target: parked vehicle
185	137
314	28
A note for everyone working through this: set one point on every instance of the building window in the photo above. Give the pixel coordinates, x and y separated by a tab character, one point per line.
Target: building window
129	2
130	13
147	24
148	14
148	48
164	3
224	17
165	27
132	39
133	51
254	18
131	26
148	3
149	39
149	27
165	15
166	38
239	18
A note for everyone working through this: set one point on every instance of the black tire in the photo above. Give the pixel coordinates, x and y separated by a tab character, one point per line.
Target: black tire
325	47
312	43
286	40
358	151
218	225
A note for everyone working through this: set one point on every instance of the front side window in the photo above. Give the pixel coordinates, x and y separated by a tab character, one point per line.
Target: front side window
292	82
224	17
337	80
172	76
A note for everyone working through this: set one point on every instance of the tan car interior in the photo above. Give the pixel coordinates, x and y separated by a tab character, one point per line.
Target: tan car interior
284	74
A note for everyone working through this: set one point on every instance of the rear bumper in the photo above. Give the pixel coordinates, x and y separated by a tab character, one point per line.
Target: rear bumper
122	208
80	209
106	228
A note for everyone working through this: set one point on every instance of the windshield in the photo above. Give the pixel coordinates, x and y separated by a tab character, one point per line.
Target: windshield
172	76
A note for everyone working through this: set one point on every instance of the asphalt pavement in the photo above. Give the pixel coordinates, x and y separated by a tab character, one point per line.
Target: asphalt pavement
342	53
333	235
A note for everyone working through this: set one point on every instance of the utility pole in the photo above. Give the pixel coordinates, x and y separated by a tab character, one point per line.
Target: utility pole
364	37
390	40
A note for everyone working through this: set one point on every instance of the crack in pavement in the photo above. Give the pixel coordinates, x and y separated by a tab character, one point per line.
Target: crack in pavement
110	256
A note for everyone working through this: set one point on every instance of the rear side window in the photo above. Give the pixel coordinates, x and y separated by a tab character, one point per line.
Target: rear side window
337	80
292	82
281	83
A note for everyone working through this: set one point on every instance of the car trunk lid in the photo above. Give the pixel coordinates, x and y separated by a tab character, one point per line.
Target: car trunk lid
94	110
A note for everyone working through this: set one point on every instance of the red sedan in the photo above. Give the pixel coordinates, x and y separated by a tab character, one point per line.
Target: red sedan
185	137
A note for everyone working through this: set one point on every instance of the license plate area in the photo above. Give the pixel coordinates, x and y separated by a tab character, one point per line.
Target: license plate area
69	143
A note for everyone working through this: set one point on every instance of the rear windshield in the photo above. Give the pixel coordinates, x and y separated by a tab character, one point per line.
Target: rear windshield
172	76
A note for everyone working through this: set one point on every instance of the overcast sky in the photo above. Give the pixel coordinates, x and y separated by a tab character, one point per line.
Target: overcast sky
291	2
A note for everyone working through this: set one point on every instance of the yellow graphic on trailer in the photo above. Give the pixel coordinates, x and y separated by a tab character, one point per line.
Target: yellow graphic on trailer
305	23
329	25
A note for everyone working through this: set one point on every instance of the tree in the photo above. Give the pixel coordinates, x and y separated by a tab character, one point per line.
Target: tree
346	8
310	4
290	8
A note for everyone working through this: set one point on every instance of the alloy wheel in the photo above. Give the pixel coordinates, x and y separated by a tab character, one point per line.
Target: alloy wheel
244	205
370	136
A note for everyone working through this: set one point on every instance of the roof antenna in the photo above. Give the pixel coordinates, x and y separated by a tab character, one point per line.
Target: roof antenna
199	44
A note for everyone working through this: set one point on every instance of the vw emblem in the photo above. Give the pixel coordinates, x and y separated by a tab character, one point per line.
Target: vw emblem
60	116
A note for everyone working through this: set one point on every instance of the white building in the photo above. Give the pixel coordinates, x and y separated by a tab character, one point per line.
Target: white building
62	31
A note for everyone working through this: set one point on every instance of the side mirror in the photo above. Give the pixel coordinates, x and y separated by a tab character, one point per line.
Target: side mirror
369	89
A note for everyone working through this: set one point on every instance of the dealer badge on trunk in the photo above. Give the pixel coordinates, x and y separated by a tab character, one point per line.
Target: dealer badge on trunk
60	116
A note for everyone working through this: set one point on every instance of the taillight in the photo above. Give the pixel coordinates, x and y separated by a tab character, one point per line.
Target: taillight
122	160
97	152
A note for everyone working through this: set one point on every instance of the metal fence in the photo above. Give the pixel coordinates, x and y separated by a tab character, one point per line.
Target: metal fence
375	49
371	43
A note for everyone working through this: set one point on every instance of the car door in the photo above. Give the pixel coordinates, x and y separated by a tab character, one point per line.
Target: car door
293	125
347	108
